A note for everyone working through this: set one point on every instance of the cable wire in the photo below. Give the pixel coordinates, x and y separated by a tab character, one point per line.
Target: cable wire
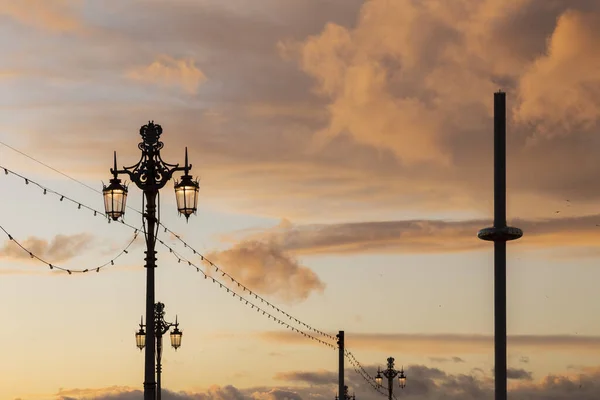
59	172
80	205
368	379
47	166
357	366
235	294
70	270
62	197
245	288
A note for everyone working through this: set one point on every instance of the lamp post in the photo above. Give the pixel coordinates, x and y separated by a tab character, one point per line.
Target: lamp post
390	373
161	327
346	395
150	174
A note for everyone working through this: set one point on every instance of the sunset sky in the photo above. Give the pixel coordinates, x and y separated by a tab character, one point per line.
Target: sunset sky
344	150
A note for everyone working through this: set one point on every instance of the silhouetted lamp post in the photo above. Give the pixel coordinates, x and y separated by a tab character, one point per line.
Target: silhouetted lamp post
150	174
346	395
390	373
161	327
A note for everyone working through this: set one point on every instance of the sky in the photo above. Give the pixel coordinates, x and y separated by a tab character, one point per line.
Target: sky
344	150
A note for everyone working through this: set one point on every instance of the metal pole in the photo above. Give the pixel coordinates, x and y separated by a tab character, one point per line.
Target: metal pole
500	245
390	385
341	390
500	233
158	362
149	372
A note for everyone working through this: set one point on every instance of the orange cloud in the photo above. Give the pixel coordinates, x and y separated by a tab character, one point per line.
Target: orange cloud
268	270
419	236
170	72
560	91
55	15
348	67
423	383
111	391
405	89
61	248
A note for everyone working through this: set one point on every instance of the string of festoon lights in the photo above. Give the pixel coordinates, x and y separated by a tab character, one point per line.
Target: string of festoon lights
46	190
266	305
358	368
368	378
70	270
62	197
244	299
243	287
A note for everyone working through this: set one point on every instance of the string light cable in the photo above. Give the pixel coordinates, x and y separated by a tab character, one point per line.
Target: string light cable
368	378
361	371
166	229
358	368
243	287
70	270
46	190
247	301
60	172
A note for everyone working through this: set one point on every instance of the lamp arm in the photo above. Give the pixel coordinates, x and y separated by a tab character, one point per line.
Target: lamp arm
121	172
390	373
151	160
165	326
162	326
184	169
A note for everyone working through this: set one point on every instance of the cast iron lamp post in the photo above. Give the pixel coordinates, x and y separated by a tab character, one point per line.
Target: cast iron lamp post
390	373
150	174
161	326
346	395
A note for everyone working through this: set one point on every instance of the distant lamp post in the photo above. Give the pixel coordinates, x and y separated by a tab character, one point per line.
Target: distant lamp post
390	373
140	336
161	327
150	174
346	395
176	336
402	379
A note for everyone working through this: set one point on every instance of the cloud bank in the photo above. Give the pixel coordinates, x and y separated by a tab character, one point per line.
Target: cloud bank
418	236
355	108
423	383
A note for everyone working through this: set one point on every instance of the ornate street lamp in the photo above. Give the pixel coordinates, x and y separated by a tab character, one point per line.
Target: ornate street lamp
378	378
390	373
150	174
161	327
186	193
402	379
115	195
176	336
140	336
